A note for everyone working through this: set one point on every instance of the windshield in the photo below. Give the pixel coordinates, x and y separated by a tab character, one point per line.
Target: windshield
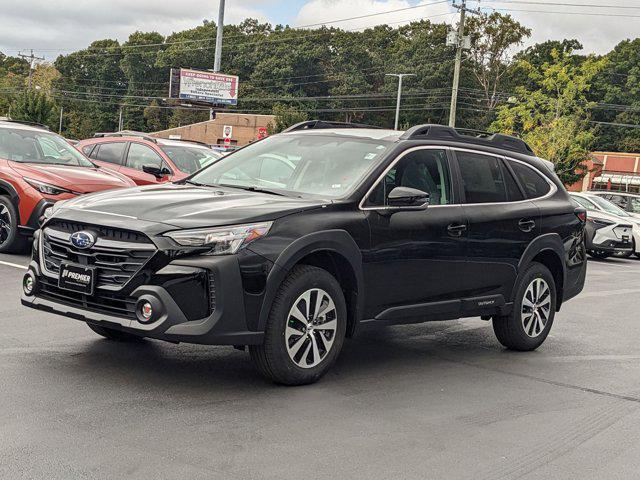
608	207
190	159
583	202
324	165
29	146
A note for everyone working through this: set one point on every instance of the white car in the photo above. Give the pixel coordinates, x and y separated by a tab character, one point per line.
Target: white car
610	230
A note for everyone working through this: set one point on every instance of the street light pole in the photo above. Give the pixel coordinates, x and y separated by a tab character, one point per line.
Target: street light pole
220	27
400	77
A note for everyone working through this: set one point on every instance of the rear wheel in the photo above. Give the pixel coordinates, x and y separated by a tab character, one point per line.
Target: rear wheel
305	329
534	307
115	335
11	241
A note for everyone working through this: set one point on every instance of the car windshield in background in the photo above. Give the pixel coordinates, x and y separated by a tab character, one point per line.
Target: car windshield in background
29	146
323	165
635	204
608	207
190	159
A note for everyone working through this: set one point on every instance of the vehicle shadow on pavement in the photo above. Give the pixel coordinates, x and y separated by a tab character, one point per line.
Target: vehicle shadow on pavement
155	365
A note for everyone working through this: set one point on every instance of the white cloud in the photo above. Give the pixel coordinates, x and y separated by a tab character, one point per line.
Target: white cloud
317	11
51	27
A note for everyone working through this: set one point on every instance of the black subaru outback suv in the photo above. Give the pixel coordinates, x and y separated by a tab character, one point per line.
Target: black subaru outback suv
295	242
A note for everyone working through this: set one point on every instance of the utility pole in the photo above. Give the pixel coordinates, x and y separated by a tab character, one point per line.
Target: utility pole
218	57
400	77
60	124
32	58
120	120
461	43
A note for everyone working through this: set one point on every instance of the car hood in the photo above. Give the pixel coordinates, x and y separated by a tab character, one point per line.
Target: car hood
76	179
187	206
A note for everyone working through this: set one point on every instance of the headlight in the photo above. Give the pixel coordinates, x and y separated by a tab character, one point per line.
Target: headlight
601	222
46	188
221	240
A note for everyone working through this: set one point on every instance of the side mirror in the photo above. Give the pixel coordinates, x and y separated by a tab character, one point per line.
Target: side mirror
408	197
156	171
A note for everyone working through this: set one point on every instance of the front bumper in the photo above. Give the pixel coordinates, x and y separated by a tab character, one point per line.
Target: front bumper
226	325
614	246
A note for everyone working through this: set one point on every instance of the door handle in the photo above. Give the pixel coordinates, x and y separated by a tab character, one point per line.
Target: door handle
526	225
456	230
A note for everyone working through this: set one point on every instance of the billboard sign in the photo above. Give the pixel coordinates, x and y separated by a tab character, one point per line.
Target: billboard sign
200	86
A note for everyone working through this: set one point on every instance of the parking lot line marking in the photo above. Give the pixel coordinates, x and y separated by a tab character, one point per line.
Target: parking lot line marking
14	265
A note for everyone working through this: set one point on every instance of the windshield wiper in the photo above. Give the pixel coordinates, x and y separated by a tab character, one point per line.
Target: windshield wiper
191	182
257	190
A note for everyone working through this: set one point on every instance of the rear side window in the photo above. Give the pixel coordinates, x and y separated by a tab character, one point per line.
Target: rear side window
534	185
109	152
485	179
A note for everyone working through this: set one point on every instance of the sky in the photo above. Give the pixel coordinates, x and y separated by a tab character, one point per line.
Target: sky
52	27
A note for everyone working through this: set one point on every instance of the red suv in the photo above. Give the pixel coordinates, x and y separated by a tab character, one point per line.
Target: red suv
147	160
37	169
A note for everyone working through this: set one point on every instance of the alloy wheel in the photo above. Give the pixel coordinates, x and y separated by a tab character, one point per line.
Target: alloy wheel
5	224
536	307
311	328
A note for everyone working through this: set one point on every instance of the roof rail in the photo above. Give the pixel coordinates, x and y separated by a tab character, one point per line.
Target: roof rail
24	122
126	133
197	142
441	132
324	124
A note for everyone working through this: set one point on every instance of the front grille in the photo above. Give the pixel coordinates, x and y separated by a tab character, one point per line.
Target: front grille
117	255
103	302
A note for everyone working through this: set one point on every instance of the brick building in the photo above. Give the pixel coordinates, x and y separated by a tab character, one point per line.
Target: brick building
611	171
243	129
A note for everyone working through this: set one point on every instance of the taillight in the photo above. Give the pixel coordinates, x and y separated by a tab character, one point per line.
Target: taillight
581	213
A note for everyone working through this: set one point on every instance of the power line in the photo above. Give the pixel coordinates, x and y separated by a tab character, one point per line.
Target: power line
564	4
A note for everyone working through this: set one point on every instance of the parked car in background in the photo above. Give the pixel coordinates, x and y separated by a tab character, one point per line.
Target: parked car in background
296	241
37	169
598	203
607	234
629	202
148	160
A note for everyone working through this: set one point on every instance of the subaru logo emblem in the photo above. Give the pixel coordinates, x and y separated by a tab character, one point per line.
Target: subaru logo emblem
83	240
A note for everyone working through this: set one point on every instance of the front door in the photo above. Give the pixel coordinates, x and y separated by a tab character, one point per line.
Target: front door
416	256
502	223
139	156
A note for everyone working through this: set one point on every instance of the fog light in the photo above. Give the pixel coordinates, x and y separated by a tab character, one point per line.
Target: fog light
146	310
149	309
29	284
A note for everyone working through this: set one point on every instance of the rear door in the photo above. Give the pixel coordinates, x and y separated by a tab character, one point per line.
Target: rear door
140	155
501	222
108	155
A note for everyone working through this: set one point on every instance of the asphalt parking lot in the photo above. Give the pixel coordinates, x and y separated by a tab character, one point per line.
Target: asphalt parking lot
440	400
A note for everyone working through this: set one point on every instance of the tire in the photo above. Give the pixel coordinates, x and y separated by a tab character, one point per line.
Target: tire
600	254
290	350
637	254
628	254
115	335
11	241
522	332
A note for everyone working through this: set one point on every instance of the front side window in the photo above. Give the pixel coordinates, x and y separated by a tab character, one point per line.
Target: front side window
111	152
534	185
485	179
326	165
140	156
190	159
41	147
426	170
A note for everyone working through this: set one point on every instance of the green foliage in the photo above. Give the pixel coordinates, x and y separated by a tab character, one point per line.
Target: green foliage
34	106
553	114
285	117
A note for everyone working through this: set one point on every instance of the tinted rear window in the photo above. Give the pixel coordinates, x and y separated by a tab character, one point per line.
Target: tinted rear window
534	185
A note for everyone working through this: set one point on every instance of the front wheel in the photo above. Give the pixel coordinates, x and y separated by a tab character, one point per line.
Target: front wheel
305	329
11	241
534	307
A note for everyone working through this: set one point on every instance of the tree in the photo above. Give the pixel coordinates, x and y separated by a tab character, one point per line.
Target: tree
285	117
34	106
493	38
553	116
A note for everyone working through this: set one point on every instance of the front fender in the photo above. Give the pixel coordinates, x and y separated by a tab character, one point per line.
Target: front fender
335	241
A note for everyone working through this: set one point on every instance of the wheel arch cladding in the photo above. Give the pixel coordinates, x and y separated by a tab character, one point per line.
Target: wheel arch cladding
332	250
549	251
8	190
